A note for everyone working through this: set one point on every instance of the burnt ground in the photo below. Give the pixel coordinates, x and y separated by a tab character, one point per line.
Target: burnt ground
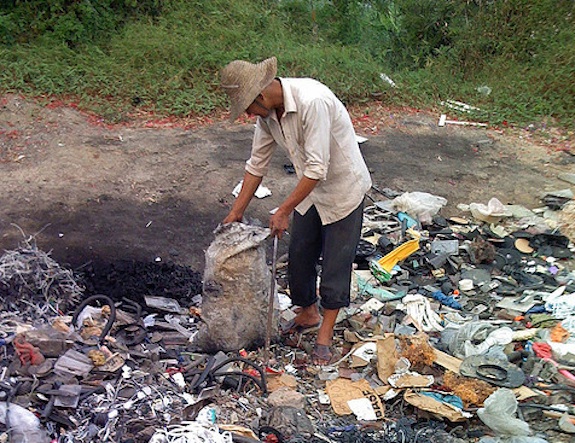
154	191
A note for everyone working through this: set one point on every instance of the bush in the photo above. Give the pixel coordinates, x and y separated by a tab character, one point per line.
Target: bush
71	22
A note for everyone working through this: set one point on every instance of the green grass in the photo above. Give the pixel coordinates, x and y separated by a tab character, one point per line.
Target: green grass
168	62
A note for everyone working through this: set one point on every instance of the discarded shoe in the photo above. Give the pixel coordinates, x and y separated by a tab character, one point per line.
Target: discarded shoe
492	370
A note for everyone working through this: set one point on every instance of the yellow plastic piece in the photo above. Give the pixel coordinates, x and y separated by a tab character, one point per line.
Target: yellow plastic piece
398	254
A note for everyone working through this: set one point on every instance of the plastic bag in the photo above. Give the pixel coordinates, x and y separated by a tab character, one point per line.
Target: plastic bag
523	439
420	205
500	336
455	338
491	213
24	425
235	291
499	413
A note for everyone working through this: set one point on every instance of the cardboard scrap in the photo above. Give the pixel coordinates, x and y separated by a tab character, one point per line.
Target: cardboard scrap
275	382
519	304
362	354
239	430
387	357
434	406
410	380
341	391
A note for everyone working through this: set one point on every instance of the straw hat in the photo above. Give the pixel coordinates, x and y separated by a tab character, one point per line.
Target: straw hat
243	81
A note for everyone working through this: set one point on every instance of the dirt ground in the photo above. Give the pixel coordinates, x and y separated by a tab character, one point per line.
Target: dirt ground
154	191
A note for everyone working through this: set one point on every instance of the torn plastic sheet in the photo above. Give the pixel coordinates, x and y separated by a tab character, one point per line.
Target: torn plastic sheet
421	205
419	309
499	413
24	425
381	294
163	304
490	213
362	409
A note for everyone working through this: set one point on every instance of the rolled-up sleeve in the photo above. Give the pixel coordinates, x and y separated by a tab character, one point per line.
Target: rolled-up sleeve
263	146
317	130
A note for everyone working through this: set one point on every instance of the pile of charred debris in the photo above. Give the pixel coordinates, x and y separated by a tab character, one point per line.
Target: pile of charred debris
460	330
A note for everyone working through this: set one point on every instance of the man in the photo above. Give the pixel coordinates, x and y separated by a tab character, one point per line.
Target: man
305	118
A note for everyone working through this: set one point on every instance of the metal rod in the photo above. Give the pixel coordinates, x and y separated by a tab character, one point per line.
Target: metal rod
271	302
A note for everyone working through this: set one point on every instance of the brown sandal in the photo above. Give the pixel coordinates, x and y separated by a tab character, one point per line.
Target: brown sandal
292	327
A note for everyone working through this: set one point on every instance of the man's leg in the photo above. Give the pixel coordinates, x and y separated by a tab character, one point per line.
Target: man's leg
340	241
304	251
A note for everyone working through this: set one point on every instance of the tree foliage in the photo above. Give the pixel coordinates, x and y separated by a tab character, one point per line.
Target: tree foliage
72	22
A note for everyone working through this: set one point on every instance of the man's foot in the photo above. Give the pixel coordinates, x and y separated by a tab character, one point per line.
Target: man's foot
322	355
307	318
293	327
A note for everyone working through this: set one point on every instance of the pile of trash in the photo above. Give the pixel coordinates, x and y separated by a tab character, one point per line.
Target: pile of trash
460	329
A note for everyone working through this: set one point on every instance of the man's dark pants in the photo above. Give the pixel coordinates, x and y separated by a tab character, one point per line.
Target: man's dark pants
336	244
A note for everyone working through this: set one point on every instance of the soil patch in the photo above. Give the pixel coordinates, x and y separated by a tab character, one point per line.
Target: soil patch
153	192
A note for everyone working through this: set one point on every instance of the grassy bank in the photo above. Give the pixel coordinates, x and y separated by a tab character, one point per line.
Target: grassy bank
512	59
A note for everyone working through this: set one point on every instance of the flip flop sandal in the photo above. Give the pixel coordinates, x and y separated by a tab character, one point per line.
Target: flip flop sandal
322	355
364	249
296	341
291	327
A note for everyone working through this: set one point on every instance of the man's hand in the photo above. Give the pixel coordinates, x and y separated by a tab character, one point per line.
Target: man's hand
279	222
233	216
249	186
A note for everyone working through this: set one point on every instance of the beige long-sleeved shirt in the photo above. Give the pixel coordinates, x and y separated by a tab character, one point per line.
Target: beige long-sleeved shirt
317	133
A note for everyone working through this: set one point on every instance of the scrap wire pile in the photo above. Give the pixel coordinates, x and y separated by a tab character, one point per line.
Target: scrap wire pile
131	407
33	285
404	430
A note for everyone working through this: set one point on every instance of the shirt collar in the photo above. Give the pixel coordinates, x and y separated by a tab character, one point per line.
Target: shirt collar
289	101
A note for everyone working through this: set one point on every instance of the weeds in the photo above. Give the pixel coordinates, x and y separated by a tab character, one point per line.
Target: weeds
165	56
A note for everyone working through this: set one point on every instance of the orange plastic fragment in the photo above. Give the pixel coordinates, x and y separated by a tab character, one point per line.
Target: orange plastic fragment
27	353
559	334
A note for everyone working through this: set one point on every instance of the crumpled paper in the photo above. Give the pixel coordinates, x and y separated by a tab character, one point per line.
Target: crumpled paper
261	192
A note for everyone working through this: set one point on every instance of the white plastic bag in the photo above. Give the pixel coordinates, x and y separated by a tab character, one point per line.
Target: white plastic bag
499	412
420	205
24	425
491	213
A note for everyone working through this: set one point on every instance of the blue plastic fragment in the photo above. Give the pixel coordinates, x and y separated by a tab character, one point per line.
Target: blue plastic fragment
453	400
411	222
537	309
446	300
